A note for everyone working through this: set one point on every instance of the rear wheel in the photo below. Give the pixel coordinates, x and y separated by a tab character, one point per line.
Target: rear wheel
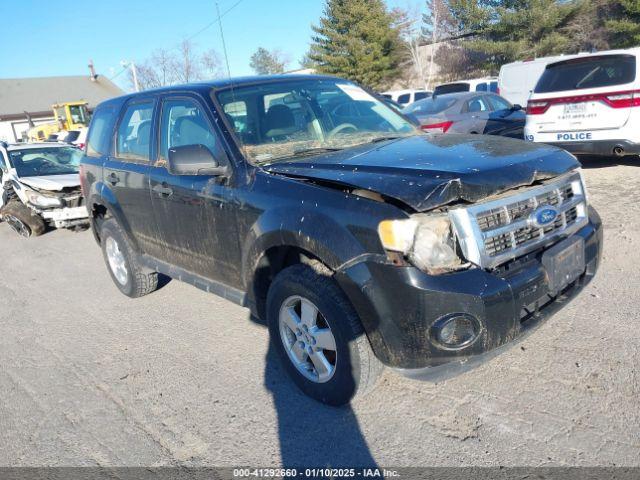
126	272
319	336
22	220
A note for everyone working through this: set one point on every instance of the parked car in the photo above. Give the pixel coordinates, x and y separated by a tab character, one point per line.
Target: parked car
470	112
360	243
488	84
589	104
406	97
40	187
518	79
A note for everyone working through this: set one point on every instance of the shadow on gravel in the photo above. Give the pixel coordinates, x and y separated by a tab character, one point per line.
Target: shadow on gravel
588	161
312	434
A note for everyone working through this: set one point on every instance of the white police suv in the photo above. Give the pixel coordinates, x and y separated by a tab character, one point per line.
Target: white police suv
588	104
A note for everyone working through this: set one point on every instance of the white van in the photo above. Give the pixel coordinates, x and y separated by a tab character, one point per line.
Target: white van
486	84
517	80
406	97
589	104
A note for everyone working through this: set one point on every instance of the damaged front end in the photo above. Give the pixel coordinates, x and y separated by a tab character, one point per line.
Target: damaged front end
61	208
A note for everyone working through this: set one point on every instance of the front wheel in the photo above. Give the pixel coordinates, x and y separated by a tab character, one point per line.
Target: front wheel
128	275
319	337
22	220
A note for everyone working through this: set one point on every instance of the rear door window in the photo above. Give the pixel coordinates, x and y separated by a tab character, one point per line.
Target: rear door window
133	141
481	87
588	72
404	98
477	104
421	95
101	131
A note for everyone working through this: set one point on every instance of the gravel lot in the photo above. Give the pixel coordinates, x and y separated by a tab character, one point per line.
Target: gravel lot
181	377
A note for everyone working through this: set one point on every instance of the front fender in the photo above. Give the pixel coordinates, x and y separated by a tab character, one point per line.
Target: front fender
312	231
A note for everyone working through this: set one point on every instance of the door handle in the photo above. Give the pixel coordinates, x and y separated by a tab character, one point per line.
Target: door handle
163	189
112	178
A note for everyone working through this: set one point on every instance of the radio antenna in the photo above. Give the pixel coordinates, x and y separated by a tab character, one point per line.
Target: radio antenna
224	46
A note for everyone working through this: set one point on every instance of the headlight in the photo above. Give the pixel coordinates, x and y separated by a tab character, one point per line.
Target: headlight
427	241
43	201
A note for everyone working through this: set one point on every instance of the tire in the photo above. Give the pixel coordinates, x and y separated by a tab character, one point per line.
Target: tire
122	263
23	220
355	368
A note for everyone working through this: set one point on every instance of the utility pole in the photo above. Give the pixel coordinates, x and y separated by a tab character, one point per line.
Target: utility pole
134	73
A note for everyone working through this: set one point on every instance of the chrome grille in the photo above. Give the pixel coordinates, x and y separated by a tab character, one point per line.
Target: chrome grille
493	232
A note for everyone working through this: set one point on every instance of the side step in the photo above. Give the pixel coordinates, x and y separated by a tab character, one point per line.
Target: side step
211	286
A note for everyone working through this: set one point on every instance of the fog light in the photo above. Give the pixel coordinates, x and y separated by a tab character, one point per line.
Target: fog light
456	331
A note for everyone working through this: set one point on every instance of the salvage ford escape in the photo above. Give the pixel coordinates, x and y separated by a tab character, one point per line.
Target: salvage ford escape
361	241
41	187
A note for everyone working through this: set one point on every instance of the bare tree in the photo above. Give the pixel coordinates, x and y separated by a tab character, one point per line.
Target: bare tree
211	64
183	64
437	24
409	23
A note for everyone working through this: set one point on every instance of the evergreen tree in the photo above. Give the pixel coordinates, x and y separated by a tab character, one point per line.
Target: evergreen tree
358	40
265	62
503	31
625	30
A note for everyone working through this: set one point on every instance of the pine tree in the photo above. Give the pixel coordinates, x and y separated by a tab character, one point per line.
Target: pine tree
503	31
625	30
265	62
358	40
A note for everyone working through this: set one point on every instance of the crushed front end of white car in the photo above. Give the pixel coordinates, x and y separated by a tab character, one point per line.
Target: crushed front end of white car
41	188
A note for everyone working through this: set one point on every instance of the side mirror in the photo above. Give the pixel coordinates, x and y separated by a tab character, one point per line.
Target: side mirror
194	160
516	107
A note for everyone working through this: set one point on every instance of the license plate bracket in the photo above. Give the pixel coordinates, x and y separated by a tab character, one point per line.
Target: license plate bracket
564	263
573	108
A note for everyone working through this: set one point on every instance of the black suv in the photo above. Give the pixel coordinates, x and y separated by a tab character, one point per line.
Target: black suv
361	241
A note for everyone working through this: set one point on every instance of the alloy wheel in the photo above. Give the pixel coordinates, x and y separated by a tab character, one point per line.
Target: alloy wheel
18	226
117	262
308	339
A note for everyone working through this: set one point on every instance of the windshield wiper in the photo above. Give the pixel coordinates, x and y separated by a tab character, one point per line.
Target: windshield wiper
384	139
314	150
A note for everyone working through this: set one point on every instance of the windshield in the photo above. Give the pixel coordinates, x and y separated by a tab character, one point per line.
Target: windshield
588	72
274	121
78	114
36	162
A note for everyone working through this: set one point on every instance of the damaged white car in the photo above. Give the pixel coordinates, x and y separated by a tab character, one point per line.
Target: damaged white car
41	188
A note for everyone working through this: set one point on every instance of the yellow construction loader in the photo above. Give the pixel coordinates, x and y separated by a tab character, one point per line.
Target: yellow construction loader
67	116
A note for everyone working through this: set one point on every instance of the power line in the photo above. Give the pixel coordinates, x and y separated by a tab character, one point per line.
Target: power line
119	73
206	27
220	16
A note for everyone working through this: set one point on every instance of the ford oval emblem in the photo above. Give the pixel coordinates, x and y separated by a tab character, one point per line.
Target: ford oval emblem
544	216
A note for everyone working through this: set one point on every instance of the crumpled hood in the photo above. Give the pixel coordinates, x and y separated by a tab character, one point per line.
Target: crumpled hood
53	183
428	171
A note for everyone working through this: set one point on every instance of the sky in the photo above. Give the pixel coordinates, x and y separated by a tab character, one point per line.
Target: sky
41	39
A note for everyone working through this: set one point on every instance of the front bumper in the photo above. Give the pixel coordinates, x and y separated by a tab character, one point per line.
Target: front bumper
398	306
66	217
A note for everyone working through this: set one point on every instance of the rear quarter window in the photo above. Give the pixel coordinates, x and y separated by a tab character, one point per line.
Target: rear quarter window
100	131
587	72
